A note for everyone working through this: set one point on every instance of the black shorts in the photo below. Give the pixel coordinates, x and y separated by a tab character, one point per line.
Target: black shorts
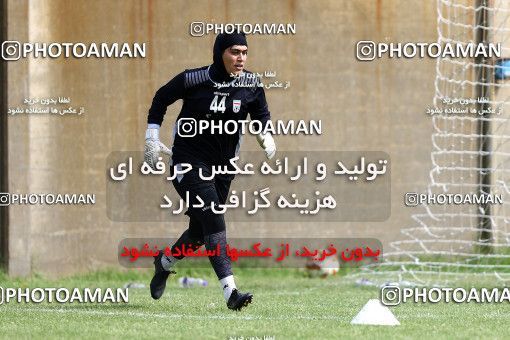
203	221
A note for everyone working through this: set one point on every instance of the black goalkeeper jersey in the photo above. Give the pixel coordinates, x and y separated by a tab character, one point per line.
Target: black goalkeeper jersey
207	96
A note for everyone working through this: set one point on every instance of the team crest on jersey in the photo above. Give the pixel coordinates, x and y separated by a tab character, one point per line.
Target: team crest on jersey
236	106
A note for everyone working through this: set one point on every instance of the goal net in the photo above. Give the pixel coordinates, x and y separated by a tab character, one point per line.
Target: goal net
471	158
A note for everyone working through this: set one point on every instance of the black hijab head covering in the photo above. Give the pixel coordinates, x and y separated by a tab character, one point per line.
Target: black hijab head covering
222	42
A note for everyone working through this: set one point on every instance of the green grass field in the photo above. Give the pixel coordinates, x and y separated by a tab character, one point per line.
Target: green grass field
286	305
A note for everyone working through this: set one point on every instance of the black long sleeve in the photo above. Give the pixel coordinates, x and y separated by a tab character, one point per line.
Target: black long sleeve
165	96
258	108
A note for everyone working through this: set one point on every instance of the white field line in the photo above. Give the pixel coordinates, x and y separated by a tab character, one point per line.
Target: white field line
430	315
165	315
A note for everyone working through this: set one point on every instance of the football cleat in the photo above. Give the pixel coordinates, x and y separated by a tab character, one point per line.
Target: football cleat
158	282
238	300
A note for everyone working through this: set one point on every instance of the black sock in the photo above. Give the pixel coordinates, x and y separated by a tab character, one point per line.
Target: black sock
220	263
188	241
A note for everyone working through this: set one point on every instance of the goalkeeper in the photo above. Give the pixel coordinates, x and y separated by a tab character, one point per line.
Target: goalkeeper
208	93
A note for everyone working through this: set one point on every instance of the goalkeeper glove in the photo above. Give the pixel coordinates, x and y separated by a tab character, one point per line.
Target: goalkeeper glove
153	147
267	143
